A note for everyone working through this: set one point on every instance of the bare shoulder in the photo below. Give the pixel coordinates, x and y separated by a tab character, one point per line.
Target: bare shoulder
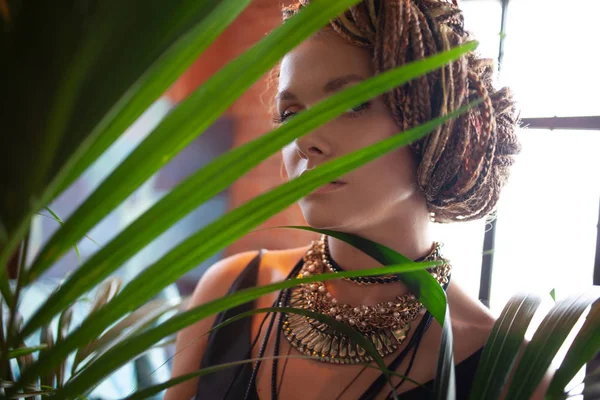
277	264
192	340
472	322
274	266
219	277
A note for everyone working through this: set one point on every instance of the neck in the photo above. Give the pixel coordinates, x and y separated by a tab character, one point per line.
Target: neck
408	234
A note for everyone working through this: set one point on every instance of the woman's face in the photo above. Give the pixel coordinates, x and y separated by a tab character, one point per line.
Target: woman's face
322	65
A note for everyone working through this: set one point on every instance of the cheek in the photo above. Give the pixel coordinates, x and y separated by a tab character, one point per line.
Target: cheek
395	175
376	125
397	165
401	164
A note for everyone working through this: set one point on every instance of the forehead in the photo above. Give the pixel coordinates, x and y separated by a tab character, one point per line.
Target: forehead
319	59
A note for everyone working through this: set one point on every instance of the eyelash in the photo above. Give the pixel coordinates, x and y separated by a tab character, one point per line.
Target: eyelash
280	118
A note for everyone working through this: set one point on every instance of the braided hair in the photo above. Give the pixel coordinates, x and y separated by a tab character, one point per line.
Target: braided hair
462	165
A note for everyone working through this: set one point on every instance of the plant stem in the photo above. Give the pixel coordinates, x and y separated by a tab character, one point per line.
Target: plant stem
13	306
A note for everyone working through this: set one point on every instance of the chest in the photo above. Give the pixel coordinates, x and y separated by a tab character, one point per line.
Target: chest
301	378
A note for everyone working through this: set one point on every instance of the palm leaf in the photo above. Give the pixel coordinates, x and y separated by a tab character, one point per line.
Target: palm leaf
47	338
227	169
545	343
420	282
338	326
183	124
53	216
106	292
117	46
60	221
21	351
27	395
356	336
585	346
429	292
134	323
128	348
503	346
150	391
64	323
5	370
349	331
444	385
211	19
26	360
201	245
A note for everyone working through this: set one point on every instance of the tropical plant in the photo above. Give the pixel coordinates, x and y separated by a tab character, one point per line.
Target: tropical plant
104	64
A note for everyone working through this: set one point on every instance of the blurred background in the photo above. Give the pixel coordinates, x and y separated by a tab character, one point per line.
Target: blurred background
546	231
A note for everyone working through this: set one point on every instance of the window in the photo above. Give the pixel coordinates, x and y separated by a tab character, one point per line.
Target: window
549	60
547	216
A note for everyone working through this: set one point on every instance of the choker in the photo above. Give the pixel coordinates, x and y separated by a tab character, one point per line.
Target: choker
386	324
330	263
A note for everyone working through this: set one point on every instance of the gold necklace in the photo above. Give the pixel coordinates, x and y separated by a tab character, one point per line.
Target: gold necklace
386	324
370	280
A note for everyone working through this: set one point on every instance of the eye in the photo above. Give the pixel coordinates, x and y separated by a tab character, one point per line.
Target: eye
360	108
280	118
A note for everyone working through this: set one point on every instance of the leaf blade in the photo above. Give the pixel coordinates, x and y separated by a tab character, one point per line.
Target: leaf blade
156	80
545	344
108	32
503	346
355	335
583	349
25	350
430	293
186	197
150	391
444	386
226	230
425	287
133	345
181	126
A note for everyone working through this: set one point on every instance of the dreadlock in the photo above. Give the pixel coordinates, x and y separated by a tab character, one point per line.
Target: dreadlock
463	164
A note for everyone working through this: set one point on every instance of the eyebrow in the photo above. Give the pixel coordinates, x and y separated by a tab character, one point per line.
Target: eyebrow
331	86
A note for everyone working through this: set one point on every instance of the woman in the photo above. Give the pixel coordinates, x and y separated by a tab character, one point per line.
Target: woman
454	174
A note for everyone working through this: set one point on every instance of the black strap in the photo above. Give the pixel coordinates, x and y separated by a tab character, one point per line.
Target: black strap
377	385
252	382
412	359
285	299
223	346
249	353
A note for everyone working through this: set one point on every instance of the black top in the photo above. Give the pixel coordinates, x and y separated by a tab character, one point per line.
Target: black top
232	343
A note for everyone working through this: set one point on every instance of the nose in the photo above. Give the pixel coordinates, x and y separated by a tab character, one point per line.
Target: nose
313	147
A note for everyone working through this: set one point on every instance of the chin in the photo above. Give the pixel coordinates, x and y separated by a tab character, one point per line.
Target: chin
320	217
320	224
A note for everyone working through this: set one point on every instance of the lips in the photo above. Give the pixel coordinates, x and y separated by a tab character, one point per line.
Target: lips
336	181
330	187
